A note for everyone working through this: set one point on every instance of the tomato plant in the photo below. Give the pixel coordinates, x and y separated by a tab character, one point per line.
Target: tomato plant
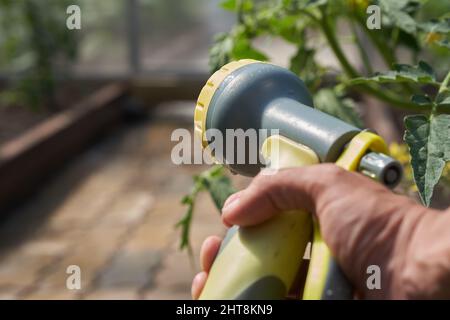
411	32
34	41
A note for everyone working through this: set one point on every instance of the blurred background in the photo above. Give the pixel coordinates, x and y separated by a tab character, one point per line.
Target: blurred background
86	118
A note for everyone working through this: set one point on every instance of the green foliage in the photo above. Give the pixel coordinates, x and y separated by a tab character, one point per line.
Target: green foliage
398	14
443	44
219	187
331	102
410	84
428	139
443	99
436	26
232	46
422	73
421	100
34	42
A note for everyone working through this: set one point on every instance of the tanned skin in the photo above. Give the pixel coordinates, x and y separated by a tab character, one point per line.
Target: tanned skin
362	222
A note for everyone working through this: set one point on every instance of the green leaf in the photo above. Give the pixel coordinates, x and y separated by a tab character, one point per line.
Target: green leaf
443	44
220	52
421	100
422	73
229	5
327	100
301	60
398	14
409	41
288	27
236	5
304	65
185	223
243	49
235	45
429	144
220	188
213	180
306	4
443	99
436	26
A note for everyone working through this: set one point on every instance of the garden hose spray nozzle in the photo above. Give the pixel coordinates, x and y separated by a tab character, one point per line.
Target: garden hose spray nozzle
261	262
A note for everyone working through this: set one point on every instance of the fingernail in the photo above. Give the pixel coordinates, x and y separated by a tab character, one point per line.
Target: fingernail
231	202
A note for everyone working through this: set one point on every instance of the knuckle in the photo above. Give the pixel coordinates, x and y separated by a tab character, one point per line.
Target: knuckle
268	184
332	171
260	180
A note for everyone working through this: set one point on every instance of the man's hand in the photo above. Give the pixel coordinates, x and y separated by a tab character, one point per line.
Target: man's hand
363	224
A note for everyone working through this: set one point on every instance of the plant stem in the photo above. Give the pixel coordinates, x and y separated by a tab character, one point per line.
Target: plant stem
240	11
444	83
362	51
351	72
332	41
442	88
385	51
391	98
394	37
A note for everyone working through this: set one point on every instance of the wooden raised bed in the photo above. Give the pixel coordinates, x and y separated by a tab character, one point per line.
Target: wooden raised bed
29	158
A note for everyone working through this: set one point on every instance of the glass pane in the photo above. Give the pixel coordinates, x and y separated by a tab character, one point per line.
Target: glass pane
102	41
176	35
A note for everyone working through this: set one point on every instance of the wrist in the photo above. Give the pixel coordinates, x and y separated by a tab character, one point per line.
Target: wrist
424	272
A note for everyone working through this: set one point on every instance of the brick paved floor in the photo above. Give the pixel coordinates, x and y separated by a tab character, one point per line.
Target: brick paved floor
111	211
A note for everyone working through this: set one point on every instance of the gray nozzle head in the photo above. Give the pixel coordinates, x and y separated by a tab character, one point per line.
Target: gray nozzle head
264	96
382	168
241	100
